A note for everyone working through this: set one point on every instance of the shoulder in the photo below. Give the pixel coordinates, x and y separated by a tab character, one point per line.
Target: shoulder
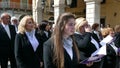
49	43
19	35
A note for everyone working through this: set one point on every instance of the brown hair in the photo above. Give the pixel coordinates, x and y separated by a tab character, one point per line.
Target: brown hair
58	44
106	31
95	25
117	28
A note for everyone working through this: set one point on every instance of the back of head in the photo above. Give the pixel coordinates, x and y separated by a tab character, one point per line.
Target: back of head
43	24
106	31
79	22
95	26
117	28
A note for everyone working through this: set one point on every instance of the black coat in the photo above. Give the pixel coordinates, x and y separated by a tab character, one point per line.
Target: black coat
6	44
109	61
86	48
48	57
25	56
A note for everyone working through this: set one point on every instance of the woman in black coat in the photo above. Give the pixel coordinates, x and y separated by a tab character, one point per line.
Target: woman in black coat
60	51
87	42
28	45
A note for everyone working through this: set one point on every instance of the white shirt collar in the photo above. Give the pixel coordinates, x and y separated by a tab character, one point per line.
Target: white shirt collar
4	25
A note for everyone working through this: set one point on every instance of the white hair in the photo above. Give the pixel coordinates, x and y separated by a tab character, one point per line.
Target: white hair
14	18
3	14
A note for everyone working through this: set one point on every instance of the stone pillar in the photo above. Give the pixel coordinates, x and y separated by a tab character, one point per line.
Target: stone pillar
37	11
59	7
93	11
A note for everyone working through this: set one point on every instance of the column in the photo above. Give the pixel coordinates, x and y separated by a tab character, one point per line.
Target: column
93	11
59	7
37	11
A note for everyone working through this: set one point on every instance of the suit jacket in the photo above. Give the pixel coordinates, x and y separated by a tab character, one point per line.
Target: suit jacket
25	56
43	35
84	44
48	56
109	61
117	39
86	48
6	44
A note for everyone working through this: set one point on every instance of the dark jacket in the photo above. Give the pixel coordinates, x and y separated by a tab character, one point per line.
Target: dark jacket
25	56
48	57
86	47
6	44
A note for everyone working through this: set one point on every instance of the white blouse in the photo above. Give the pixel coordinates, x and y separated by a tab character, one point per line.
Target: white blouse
33	40
68	46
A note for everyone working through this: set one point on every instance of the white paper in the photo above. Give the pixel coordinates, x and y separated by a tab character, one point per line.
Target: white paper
100	51
106	40
96	58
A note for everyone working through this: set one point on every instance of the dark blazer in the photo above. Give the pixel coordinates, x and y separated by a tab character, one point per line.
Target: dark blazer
117	44
43	35
109	61
86	48
25	56
48	56
6	44
117	39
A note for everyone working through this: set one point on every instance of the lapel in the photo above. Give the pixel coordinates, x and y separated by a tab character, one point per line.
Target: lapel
11	30
3	31
28	44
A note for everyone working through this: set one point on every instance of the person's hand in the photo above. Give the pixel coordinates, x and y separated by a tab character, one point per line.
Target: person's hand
89	64
41	64
88	28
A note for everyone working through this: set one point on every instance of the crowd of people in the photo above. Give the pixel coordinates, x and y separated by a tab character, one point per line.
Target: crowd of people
27	44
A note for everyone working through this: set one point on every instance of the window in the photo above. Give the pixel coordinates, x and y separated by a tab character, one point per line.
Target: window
73	4
103	1
24	4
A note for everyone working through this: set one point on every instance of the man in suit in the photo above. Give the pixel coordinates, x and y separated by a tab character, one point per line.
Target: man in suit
7	36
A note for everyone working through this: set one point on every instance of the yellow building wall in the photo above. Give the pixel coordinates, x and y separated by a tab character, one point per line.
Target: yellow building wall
79	10
111	12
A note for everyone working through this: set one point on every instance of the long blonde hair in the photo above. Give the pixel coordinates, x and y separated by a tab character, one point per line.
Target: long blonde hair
21	26
58	44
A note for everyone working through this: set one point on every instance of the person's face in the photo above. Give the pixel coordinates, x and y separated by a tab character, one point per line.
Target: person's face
69	27
112	33
29	25
15	22
6	19
47	27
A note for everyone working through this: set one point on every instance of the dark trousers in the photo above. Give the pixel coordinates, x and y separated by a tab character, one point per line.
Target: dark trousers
4	62
12	60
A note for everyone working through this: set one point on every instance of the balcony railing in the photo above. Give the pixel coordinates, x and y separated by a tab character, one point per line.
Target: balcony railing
15	5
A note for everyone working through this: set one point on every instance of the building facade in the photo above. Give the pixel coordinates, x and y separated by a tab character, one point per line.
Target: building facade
17	8
102	11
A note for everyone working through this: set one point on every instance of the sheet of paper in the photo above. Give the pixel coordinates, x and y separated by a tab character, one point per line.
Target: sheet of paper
96	58
100	51
106	40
